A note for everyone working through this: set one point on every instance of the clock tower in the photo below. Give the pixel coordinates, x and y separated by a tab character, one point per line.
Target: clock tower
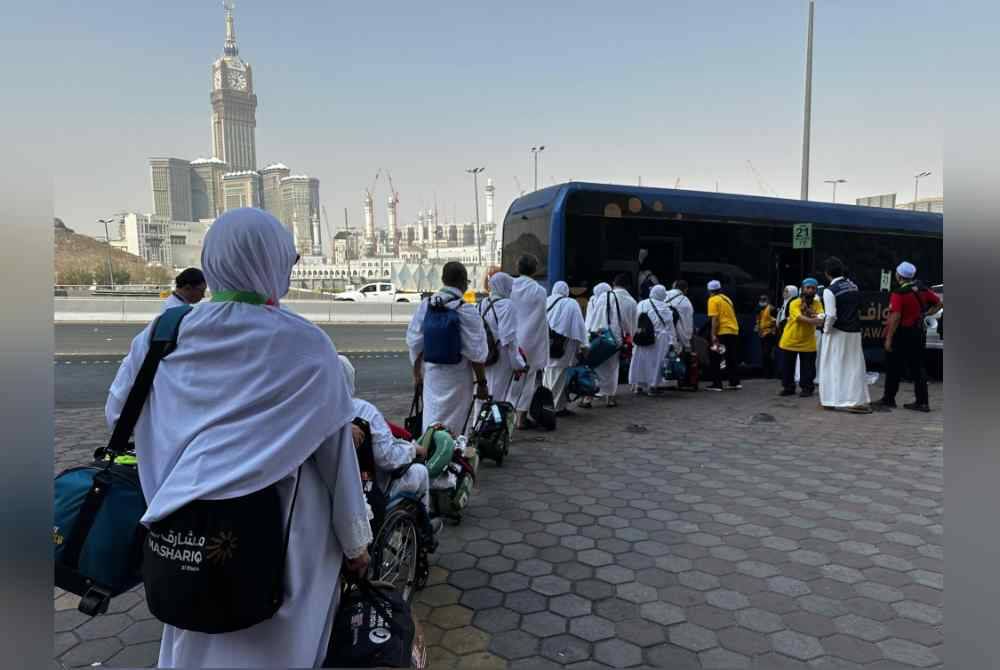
234	106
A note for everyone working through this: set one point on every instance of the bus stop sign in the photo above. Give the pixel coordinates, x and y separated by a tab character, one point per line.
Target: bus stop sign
802	235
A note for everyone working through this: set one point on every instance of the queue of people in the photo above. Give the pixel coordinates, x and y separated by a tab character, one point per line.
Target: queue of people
269	403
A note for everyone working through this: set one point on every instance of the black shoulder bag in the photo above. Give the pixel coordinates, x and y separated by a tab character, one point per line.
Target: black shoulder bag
557	341
217	566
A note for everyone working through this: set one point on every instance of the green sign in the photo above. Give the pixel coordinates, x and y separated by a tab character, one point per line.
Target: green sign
802	236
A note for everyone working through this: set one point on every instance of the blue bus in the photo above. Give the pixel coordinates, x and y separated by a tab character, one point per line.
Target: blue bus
586	233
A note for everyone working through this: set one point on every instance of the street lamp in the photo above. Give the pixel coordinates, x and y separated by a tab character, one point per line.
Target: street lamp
535	151
107	236
834	182
808	104
916	184
479	239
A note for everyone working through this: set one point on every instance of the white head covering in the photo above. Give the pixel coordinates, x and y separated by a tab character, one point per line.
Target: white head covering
906	270
659	313
498	310
658	292
714	285
601	289
597	317
528	297
247	249
349	373
250	392
791	291
501	284
565	318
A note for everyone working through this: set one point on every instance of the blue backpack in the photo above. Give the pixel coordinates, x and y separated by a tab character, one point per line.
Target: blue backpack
96	535
581	381
442	334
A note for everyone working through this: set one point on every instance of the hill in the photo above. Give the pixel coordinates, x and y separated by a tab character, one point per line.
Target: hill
83	260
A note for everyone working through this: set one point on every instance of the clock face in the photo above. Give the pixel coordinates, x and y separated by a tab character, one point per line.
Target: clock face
237	81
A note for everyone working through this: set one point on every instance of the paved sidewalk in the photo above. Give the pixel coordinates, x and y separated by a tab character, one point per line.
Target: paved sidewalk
733	530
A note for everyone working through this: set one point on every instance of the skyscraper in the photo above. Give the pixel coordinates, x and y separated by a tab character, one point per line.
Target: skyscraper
207	200
234	106
171	178
271	177
242	189
300	213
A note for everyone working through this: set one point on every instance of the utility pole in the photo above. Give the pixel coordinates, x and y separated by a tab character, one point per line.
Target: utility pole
835	182
916	184
535	151
479	238
808	104
107	236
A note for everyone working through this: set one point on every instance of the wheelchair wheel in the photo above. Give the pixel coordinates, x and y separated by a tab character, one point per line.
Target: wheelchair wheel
399	551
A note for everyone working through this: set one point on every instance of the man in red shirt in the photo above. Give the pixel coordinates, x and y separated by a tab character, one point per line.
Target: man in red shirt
905	336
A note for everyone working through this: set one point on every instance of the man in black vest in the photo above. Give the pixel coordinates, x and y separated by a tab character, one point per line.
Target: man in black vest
842	376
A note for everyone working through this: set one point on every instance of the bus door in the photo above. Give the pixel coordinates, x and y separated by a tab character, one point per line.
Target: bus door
787	269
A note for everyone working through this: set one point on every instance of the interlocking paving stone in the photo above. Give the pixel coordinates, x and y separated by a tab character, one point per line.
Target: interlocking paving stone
592	628
908	652
514	644
617	653
465	640
692	637
862	628
91	651
856	526
796	645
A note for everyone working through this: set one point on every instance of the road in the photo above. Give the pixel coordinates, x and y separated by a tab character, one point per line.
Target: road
87	358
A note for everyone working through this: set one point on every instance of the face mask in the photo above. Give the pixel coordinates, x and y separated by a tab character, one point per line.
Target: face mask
763	303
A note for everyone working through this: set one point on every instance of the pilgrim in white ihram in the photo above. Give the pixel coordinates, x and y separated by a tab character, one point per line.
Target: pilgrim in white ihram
565	318
498	312
251	393
647	361
528	297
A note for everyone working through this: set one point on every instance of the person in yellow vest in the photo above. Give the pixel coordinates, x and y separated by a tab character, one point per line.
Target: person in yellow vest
725	338
767	330
798	339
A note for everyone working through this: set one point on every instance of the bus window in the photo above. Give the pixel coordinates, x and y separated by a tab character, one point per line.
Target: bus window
527	234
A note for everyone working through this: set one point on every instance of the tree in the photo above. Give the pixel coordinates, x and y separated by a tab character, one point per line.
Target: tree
76	277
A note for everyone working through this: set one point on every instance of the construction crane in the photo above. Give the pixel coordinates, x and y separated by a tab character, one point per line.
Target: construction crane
370	192
518	182
394	195
764	187
329	232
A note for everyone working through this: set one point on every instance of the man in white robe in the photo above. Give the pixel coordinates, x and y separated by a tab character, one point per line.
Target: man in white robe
448	389
189	289
647	361
842	376
565	318
528	298
252	395
607	311
497	310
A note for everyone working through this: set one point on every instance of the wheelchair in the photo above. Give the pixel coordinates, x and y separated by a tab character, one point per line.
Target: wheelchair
403	537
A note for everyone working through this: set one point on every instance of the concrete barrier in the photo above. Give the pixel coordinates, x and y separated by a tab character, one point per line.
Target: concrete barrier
142	310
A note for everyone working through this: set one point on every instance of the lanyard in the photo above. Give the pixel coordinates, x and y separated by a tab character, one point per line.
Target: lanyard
249	297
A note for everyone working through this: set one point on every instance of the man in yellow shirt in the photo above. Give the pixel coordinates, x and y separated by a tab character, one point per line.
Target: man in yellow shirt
725	338
798	339
767	331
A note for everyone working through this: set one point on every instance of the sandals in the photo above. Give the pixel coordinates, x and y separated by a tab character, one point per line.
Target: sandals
585	404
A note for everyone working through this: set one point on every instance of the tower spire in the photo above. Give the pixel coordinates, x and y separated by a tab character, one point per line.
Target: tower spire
230	48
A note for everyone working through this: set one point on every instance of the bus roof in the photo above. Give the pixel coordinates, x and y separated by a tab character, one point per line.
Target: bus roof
749	207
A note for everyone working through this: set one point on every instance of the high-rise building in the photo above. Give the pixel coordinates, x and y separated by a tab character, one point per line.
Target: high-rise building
300	211
234	106
171	178
241	189
207	201
148	236
270	178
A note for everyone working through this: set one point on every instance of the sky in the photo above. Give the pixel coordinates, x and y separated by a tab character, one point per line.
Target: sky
685	89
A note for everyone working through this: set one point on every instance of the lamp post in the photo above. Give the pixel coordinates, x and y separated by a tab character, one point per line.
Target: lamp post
808	104
535	151
835	182
479	238
916	184
107	236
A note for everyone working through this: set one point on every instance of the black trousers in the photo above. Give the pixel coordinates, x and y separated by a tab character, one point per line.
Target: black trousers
907	356
732	356
767	345
807	369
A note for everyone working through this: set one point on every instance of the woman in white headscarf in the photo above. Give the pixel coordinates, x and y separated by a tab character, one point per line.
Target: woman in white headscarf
497	311
252	395
790	293
647	361
565	318
391	453
602	313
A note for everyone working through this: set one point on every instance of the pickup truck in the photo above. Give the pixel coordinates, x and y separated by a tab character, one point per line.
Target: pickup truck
378	292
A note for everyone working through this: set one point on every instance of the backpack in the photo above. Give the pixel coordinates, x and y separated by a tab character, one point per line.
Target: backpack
581	381
542	409
645	334
557	341
96	532
442	334
603	344
492	343
373	627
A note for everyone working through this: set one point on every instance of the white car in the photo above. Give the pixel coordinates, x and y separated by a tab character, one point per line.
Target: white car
378	292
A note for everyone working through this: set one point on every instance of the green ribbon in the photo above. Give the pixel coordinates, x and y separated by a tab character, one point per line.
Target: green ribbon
248	297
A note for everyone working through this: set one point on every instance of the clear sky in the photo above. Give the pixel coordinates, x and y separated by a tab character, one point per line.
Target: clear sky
688	89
